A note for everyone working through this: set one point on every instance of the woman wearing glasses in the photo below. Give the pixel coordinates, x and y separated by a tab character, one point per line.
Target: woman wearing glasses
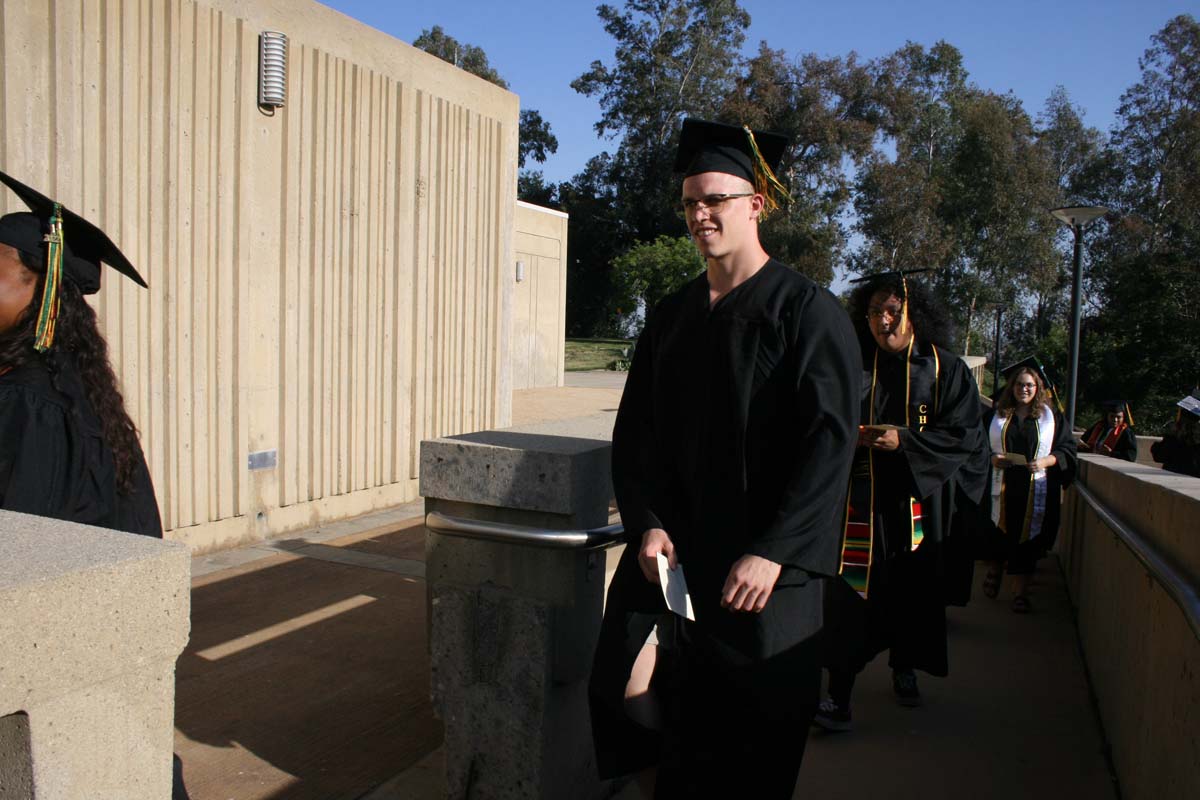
920	457
1033	460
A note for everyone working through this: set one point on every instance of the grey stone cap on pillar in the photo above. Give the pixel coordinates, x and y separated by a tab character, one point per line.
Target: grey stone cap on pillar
558	467
80	605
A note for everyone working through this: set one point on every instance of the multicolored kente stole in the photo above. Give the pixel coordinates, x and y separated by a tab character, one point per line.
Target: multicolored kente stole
858	535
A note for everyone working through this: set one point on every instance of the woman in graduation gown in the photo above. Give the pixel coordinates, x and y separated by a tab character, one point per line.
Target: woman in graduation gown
921	455
1033	460
1112	435
67	447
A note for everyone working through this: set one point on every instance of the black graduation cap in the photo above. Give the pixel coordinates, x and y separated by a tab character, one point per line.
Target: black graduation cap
895	273
85	246
70	247
706	146
1118	405
1034	364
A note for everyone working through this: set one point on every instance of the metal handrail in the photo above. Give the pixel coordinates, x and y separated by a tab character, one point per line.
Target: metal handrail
1159	566
593	539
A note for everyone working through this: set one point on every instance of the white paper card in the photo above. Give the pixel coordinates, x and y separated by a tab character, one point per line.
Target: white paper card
674	589
1016	460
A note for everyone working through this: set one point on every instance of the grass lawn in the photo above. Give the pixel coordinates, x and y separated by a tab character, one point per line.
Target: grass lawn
584	354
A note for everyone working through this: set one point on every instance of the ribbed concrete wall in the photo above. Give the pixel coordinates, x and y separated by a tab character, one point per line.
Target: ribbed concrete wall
332	282
1140	651
540	300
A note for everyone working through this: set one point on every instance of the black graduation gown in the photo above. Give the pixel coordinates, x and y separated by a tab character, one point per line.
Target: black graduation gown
54	461
1125	447
735	428
1177	455
939	465
1021	557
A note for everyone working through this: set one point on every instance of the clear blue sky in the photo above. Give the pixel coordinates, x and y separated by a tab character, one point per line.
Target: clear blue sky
540	46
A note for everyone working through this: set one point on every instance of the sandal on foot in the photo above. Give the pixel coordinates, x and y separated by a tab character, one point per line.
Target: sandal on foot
991	583
1021	605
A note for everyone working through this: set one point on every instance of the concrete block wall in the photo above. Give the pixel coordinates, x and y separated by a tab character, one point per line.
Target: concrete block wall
91	623
1141	654
332	282
540	300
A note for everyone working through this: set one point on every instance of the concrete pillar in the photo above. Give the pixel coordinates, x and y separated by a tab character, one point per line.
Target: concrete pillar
513	626
91	622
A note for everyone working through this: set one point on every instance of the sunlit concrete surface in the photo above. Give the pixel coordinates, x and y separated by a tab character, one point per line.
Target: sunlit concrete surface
339	707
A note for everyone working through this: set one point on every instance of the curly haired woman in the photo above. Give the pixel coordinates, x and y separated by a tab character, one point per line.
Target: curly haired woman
68	449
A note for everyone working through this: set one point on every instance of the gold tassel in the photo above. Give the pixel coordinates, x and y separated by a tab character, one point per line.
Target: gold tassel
765	182
48	316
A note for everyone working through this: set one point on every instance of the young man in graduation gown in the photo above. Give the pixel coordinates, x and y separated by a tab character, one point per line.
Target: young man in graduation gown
921	453
738	418
1111	435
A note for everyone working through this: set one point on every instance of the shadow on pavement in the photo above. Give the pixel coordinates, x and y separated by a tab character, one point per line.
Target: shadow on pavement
306	678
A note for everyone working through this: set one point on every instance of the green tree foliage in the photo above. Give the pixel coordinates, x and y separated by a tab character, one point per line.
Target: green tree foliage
825	107
965	189
435	41
593	241
1142	337
898	195
647	272
673	59
536	141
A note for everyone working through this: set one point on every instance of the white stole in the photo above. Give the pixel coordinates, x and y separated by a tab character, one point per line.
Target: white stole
1037	478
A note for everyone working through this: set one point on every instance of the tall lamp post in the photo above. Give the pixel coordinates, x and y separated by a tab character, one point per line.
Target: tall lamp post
996	351
1076	218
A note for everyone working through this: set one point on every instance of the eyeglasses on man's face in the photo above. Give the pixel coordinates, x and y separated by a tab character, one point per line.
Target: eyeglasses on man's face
713	203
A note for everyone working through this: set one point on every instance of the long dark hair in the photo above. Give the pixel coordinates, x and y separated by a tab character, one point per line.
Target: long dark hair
77	338
929	318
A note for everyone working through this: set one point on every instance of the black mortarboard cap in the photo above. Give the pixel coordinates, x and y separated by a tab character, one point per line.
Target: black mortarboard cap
734	150
1109	406
716	147
895	273
85	247
1033	363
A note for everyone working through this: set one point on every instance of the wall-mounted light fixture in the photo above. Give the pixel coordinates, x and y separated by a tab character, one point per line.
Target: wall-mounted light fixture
520	271
272	69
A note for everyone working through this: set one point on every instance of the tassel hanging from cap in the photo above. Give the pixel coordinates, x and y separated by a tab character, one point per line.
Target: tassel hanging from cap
902	324
765	182
48	316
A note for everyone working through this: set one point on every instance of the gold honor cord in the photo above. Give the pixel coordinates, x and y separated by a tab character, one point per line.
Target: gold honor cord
48	316
1026	526
765	182
1002	519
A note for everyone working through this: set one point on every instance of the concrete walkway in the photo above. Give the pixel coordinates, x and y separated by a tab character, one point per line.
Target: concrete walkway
307	677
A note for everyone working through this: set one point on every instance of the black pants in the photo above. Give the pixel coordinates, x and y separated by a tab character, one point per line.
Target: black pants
737	728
